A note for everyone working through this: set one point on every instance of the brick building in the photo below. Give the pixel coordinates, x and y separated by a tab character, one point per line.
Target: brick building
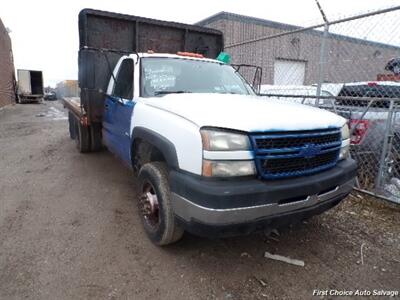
67	88
294	58
7	73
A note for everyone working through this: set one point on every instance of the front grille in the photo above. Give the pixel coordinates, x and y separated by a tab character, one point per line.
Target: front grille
297	164
289	154
285	142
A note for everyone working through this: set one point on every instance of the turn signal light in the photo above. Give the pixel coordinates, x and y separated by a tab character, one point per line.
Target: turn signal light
190	54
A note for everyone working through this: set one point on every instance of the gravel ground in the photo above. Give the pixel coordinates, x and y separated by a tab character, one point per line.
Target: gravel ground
69	230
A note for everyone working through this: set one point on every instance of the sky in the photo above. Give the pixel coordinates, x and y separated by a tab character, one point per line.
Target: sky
44	33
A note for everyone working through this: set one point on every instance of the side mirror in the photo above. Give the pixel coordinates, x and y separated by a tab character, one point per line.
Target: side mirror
246	70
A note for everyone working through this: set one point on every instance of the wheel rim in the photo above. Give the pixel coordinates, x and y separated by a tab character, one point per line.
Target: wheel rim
149	206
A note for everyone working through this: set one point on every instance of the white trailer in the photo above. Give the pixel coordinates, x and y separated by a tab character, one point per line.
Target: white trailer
30	86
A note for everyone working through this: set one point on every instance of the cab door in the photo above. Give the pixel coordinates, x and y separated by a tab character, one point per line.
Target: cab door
118	108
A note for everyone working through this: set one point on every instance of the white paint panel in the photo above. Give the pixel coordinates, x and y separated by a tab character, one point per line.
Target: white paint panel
182	133
245	113
24	82
289	72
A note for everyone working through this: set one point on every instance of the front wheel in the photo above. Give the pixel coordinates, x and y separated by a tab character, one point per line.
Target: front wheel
155	206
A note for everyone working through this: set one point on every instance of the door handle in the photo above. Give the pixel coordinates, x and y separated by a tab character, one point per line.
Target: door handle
106	106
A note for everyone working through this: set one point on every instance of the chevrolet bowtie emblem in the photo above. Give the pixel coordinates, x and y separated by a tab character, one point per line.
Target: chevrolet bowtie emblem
310	150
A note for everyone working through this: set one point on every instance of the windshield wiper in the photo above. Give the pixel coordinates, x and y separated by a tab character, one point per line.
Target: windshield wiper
232	93
156	93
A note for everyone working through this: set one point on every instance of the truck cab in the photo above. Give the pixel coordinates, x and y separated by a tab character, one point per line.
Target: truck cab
153	81
211	157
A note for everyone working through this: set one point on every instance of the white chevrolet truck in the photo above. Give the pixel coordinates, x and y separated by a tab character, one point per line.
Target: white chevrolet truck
212	157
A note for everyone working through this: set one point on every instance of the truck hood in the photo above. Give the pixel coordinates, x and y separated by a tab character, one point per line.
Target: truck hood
245	113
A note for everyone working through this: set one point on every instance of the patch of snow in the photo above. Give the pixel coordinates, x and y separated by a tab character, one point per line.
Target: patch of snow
56	114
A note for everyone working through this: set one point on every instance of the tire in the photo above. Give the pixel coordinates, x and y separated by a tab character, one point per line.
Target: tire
163	229
72	125
95	137
83	138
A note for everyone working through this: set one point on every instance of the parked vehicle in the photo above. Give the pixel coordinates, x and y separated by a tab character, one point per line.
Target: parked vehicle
50	95
304	94
356	103
30	86
212	157
361	104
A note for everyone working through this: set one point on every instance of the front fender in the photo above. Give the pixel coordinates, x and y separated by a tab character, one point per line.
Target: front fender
165	146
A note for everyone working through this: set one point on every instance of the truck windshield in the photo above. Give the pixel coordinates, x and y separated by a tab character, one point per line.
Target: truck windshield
162	76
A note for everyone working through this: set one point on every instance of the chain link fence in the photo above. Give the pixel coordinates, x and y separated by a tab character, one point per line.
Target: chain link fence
350	66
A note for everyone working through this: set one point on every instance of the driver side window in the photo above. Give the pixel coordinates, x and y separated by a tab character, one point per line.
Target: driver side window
124	86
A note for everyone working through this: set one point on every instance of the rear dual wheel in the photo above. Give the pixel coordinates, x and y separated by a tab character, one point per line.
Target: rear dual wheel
72	125
95	137
83	138
87	138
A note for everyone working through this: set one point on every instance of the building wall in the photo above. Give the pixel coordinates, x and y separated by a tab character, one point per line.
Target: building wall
67	88
7	73
348	60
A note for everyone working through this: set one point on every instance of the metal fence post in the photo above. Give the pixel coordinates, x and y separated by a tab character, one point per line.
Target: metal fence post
385	148
322	62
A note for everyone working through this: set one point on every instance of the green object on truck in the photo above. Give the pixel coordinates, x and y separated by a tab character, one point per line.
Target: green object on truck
224	57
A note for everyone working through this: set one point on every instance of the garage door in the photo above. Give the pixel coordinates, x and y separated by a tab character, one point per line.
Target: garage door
289	72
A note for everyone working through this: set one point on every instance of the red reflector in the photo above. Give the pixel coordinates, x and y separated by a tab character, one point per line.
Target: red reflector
372	84
360	132
190	54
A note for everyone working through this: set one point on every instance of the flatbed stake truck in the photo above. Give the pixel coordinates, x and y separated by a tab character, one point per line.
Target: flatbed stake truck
212	157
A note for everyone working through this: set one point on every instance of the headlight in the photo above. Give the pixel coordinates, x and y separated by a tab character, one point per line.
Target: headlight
219	168
345	132
214	140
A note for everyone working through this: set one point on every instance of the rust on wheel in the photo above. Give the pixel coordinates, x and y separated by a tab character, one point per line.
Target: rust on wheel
149	205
